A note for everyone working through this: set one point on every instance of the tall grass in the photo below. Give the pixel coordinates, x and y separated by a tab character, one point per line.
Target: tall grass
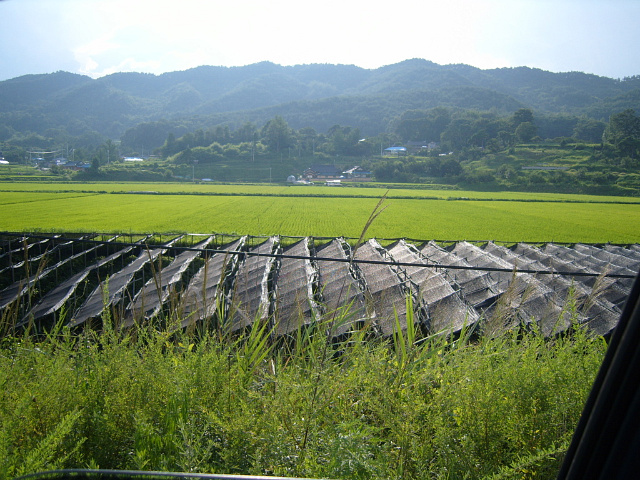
406	407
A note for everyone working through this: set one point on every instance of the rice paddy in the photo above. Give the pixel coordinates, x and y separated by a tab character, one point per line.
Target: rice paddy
324	211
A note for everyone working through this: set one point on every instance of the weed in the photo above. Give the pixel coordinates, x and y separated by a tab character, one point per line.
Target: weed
418	407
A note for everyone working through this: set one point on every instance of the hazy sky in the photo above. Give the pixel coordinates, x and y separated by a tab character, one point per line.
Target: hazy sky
99	37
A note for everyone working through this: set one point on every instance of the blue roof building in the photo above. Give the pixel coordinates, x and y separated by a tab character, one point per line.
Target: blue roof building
397	151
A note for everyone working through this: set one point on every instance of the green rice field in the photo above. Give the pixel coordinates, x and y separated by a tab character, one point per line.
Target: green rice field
372	190
318	211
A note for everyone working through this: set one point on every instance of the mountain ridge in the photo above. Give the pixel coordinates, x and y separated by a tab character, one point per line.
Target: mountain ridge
318	94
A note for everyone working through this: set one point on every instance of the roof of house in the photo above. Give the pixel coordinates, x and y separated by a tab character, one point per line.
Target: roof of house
325	169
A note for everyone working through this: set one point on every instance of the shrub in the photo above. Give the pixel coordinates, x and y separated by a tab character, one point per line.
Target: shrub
410	408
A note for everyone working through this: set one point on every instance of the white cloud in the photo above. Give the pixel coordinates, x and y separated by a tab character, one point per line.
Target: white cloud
86	55
128	65
100	36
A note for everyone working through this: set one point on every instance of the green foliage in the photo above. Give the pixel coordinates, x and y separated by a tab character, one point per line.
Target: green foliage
143	110
589	130
417	170
470	140
276	133
416	408
623	132
522	115
150	135
323	211
526	131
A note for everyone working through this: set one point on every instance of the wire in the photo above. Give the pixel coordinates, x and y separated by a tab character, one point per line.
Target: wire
346	260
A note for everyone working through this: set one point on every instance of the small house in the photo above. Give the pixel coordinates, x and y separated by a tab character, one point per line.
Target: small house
356	173
395	151
322	172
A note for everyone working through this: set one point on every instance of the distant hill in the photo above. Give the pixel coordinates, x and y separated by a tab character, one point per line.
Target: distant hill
317	96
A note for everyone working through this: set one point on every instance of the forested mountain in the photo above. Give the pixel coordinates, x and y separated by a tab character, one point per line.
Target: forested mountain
317	96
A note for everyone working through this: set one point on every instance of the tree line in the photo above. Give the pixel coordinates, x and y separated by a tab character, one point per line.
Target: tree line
466	142
451	130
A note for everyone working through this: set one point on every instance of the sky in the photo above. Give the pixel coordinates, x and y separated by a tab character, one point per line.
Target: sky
100	37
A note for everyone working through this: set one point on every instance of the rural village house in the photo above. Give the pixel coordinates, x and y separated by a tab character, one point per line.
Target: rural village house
357	172
331	172
322	172
394	151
